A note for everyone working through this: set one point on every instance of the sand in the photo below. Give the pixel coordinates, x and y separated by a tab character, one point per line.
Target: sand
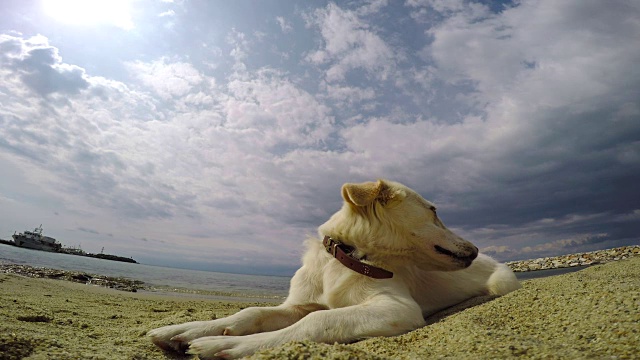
593	313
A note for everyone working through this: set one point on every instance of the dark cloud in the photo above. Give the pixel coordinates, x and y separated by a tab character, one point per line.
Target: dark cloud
584	242
87	230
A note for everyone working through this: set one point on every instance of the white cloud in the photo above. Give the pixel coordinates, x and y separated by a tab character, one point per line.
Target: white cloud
371	7
277	110
259	35
167	79
349	95
285	26
240	50
448	154
433	11
167	13
40	66
349	44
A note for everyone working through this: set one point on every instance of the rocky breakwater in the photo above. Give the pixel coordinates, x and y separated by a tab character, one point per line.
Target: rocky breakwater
573	260
118	283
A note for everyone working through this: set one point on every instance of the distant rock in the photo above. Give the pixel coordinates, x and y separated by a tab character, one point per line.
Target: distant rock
118	283
573	260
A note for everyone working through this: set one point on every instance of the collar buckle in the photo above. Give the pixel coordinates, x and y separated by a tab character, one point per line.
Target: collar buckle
336	249
330	245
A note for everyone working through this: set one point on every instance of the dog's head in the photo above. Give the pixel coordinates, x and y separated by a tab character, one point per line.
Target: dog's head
387	219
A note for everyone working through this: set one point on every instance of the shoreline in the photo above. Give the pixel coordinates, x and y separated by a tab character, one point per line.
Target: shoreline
592	313
130	285
42	318
575	260
117	283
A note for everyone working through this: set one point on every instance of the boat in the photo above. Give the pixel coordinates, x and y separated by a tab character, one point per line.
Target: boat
35	240
72	250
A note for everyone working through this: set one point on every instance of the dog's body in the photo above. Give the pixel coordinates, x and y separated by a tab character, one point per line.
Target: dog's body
389	226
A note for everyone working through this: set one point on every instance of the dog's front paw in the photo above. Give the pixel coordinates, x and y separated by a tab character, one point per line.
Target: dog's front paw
177	337
223	347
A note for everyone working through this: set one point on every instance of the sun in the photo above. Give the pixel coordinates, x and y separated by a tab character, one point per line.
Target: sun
90	12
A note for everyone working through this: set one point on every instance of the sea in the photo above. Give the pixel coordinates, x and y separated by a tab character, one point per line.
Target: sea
158	279
183	282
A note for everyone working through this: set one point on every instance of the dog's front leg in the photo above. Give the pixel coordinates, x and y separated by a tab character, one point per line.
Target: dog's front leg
383	315
248	321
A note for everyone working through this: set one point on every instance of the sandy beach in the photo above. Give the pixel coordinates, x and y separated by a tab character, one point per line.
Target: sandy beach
592	313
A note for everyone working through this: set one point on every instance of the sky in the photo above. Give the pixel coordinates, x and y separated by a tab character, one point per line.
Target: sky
216	135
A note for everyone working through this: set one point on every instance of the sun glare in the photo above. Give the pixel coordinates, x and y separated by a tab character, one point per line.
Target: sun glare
90	12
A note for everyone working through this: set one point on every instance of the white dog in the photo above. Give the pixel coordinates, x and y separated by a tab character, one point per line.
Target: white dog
385	263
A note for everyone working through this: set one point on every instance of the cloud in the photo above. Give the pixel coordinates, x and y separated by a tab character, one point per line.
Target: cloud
240	49
501	52
520	123
632	216
349	95
116	153
553	236
533	129
537	119
88	144
168	79
576	243
371	7
40	66
285	26
90	231
432	11
349	44
277	111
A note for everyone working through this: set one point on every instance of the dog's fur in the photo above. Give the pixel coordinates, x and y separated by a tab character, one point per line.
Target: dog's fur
390	226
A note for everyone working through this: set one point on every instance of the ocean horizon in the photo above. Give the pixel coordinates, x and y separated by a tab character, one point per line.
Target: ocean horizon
183	282
156	278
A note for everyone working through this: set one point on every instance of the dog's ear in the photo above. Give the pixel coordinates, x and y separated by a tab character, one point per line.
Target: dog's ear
366	193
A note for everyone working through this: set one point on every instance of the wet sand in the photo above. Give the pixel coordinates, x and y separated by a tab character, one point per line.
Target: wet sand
591	313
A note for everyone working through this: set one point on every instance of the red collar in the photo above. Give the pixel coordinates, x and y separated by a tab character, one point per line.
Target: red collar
344	253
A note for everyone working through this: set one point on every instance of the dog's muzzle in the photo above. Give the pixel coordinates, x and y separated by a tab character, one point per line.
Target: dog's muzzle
465	259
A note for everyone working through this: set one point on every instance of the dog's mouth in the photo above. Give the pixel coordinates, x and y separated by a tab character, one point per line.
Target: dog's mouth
465	259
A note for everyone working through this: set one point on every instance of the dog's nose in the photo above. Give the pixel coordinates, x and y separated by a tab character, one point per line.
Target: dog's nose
474	253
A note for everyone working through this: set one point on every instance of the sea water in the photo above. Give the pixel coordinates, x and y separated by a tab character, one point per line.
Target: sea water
181	281
156	278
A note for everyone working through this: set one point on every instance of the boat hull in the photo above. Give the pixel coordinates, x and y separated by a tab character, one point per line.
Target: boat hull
21	241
